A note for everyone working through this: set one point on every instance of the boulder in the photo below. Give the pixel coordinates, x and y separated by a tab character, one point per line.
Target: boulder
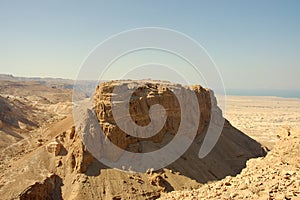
54	147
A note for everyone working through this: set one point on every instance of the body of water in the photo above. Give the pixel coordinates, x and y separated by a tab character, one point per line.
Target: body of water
265	92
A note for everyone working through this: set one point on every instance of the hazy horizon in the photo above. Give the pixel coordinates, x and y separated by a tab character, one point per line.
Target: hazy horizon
285	93
254	44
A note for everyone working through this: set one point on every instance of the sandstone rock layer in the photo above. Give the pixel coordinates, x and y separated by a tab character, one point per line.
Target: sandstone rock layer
146	95
78	175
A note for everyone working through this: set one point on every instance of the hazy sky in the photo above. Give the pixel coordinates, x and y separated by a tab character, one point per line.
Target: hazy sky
256	44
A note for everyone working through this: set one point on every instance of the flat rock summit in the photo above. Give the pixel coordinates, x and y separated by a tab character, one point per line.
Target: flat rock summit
60	166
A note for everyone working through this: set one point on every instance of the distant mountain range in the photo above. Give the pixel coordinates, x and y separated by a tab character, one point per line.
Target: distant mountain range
86	86
10	77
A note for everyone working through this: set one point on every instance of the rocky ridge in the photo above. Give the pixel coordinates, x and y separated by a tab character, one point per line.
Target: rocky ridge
62	166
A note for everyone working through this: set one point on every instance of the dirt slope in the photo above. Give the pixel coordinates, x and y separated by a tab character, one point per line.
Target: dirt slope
276	176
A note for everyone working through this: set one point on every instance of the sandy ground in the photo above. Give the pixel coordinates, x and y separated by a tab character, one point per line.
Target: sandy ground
260	117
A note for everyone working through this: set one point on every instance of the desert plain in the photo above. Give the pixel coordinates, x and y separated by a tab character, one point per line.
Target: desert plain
261	117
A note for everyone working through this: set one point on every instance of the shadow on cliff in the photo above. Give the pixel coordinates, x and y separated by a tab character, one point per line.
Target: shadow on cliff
50	188
95	168
227	158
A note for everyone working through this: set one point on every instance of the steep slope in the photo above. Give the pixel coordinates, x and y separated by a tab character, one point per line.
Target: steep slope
276	176
29	105
15	118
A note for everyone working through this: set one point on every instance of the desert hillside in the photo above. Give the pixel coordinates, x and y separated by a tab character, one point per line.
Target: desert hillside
276	176
145	100
53	163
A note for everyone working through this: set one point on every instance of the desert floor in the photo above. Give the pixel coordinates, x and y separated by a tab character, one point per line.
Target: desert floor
260	117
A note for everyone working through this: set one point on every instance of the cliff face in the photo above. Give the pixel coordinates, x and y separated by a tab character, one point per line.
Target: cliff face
229	155
147	95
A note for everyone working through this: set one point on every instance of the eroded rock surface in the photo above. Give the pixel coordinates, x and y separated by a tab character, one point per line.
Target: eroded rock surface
49	189
84	177
146	95
54	147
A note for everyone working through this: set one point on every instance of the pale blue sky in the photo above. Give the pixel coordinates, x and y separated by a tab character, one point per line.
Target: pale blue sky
256	44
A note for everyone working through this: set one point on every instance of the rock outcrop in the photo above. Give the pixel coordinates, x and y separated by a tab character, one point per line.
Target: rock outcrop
54	147
50	188
148	94
84	177
229	155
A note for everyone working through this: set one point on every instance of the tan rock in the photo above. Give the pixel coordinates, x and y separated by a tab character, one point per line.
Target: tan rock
47	189
150	93
78	158
72	132
1	124
158	180
54	147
